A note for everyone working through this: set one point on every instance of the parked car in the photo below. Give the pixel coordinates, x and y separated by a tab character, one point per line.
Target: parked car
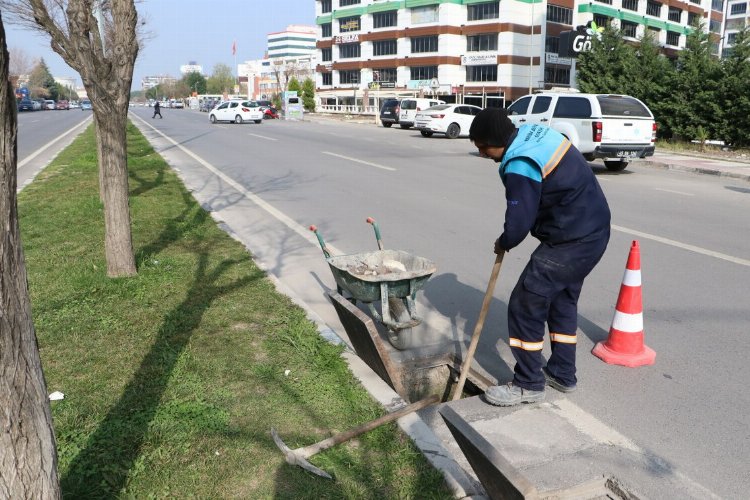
25	105
49	104
236	111
616	128
453	120
410	107
62	104
86	105
389	112
38	104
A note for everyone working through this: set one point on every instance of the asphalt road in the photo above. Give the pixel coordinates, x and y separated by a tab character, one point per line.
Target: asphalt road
435	198
42	134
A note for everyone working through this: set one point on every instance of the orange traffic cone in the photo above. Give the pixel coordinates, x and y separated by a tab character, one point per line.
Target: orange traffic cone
625	343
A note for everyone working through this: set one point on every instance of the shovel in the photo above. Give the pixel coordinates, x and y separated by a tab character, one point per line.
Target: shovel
300	455
478	328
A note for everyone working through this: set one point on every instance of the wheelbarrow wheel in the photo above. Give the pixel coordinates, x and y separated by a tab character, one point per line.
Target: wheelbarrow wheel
400	339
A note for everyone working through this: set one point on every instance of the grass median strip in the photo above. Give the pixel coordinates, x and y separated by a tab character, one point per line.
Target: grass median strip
173	378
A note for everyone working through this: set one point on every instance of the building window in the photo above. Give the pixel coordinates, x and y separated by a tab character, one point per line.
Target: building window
423	72
326	30
325	6
557	75
717	5
557	14
349	24
424	44
552	44
326	54
384	47
602	20
349	76
481	73
673	38
630	4
384	74
349	50
714	26
693	18
731	37
608	2
345	3
327	78
738	8
675	14
479	11
628	29
421	15
477	43
653	9
385	19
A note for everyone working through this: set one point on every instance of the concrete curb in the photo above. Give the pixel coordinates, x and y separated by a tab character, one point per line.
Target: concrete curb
696	170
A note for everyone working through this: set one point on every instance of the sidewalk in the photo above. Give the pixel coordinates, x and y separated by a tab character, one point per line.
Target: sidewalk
698	163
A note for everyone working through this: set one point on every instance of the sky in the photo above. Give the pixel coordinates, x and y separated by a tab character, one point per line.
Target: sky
182	31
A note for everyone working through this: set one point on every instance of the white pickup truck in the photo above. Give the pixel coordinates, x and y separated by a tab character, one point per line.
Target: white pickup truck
616	128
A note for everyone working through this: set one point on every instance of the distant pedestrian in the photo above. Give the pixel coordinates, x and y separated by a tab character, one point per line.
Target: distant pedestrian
157	110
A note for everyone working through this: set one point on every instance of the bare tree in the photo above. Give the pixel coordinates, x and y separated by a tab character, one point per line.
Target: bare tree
19	64
98	39
28	458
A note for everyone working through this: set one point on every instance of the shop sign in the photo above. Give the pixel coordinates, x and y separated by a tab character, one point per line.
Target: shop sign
479	60
346	39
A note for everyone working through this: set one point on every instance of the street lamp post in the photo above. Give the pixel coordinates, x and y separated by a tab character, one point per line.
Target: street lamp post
531	48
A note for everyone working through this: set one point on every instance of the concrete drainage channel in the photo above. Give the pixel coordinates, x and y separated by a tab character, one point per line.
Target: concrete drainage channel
435	373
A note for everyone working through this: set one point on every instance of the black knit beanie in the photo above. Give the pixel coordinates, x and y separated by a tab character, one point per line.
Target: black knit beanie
491	127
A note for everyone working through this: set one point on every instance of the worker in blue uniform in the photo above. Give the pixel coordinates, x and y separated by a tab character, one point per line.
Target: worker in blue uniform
552	193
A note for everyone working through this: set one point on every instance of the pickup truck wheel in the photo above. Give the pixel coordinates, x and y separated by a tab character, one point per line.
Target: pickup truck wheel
452	131
425	133
386	124
615	166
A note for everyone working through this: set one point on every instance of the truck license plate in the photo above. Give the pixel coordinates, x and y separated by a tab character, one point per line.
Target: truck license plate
627	154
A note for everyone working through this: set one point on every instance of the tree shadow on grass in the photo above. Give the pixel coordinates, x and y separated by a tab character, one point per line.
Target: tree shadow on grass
101	469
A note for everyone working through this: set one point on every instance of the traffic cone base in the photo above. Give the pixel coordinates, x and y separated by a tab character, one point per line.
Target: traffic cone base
646	355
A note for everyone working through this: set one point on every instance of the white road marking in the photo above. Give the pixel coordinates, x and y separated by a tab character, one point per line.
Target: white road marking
264	137
280	216
50	143
675	192
359	161
684	246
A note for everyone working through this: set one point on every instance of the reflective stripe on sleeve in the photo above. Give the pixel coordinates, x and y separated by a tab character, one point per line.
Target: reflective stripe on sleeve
526	346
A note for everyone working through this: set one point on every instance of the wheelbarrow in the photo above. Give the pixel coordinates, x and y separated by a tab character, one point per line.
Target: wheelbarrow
392	277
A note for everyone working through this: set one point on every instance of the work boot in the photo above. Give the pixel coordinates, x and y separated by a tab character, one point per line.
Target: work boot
556	384
511	395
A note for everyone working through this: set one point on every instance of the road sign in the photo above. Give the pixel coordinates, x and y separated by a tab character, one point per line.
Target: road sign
434	84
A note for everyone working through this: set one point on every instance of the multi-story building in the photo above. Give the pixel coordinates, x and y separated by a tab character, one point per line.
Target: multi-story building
737	17
148	82
290	53
478	51
191	67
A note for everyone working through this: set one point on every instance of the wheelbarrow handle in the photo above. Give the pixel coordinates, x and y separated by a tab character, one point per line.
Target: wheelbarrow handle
375	226
322	243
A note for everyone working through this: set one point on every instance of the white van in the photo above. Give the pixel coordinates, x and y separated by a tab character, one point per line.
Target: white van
409	108
617	128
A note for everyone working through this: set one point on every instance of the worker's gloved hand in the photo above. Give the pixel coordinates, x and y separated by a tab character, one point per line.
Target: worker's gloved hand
498	249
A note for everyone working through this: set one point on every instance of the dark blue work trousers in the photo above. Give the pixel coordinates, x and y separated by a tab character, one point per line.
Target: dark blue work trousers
547	292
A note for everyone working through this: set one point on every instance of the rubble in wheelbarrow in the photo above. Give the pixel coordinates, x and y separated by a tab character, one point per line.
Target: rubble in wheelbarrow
361	268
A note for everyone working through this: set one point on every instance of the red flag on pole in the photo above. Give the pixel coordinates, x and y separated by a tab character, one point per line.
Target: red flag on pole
234	47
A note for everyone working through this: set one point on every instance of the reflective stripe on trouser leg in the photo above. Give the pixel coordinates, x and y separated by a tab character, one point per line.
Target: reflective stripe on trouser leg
563	323
527	313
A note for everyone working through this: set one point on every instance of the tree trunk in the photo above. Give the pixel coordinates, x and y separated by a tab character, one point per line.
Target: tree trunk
28	458
113	172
